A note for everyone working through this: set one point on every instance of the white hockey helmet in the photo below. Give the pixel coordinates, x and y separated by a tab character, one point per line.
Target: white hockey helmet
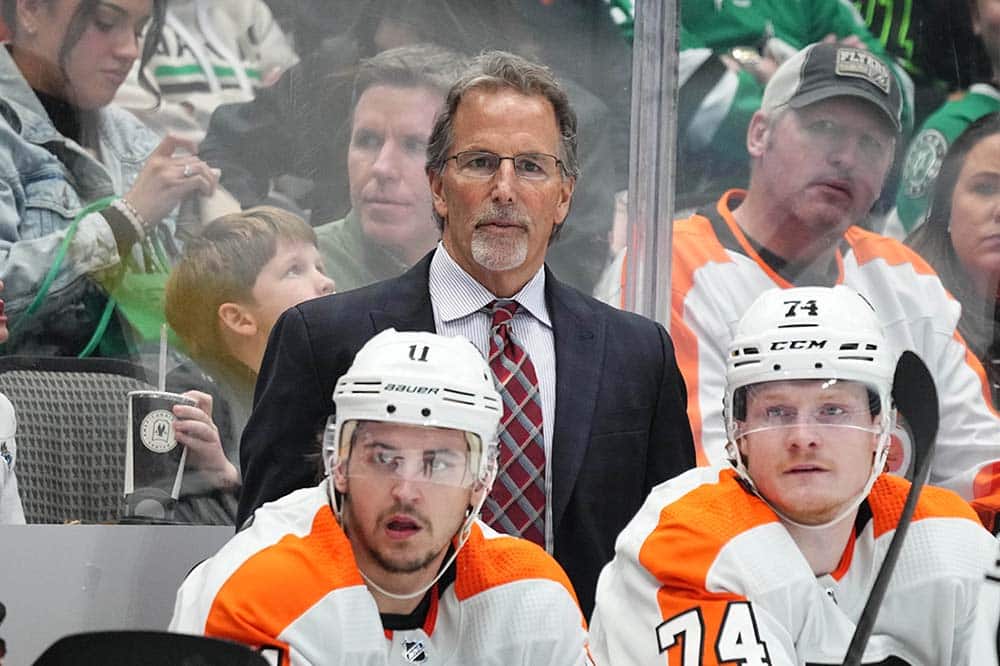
817	333
419	379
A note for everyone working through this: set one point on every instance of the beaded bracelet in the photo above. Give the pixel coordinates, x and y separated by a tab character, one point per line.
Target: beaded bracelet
125	207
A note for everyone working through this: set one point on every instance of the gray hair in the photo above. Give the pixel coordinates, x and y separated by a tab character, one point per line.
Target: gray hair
496	70
414	66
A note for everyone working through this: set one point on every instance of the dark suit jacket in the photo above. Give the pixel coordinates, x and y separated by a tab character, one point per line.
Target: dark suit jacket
621	423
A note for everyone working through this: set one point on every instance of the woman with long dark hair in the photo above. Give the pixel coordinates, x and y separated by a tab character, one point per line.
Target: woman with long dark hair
961	238
86	191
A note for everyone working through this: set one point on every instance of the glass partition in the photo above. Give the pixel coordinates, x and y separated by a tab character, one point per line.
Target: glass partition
109	184
320	112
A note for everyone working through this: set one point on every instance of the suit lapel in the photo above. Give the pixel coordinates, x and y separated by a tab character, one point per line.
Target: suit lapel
579	332
406	305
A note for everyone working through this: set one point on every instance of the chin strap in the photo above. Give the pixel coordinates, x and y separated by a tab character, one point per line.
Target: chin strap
418	593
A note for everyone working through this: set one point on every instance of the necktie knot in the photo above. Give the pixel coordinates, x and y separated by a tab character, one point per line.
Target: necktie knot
502	310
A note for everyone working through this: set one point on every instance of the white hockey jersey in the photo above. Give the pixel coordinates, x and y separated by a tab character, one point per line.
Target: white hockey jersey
986	644
717	274
289	586
706	574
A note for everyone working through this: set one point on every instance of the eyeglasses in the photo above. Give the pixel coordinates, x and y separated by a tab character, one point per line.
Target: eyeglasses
482	164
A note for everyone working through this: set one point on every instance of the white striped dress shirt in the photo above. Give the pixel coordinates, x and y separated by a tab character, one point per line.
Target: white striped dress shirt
458	301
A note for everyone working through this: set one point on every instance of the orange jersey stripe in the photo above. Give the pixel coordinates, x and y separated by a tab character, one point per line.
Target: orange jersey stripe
692	530
888	496
986	491
845	558
753	254
432	613
686	542
869	246
244	593
694	245
487	563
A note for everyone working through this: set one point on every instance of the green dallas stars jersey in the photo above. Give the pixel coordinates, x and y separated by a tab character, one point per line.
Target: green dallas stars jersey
927	150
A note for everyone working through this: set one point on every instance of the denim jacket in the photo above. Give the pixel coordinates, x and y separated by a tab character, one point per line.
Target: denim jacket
45	179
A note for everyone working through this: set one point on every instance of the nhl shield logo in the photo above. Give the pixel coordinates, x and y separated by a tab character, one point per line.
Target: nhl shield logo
413	651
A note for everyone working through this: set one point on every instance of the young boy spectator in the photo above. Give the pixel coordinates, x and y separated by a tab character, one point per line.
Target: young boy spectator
233	282
223	297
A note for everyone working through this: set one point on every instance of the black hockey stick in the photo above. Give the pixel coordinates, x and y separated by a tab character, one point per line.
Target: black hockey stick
916	399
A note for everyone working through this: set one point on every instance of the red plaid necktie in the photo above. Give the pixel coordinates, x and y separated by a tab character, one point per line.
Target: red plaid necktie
516	505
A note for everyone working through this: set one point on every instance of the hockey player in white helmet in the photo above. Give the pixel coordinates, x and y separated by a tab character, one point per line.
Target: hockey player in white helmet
769	558
814	359
385	561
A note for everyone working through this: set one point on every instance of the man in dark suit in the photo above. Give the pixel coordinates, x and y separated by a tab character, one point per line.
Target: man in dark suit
502	167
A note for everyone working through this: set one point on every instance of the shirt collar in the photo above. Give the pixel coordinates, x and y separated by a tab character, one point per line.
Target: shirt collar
457	294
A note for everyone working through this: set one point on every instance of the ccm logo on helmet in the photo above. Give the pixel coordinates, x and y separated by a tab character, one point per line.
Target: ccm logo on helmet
408	388
781	345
